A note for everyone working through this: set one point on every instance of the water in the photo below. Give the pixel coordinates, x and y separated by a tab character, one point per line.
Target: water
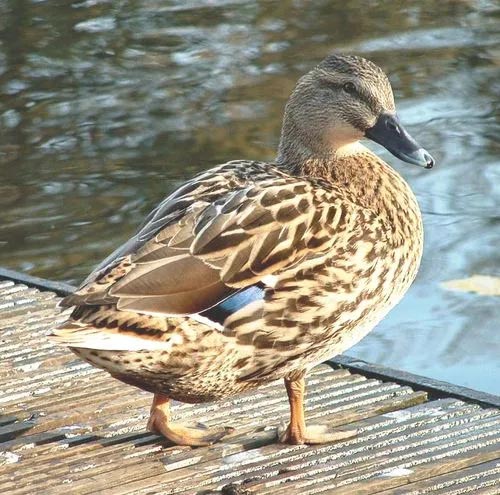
106	106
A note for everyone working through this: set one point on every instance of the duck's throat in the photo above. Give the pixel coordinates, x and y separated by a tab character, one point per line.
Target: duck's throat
351	166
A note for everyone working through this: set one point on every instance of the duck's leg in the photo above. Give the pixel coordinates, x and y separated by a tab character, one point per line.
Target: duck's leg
160	422
297	432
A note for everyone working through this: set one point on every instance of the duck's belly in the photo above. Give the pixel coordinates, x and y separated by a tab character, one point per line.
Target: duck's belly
208	378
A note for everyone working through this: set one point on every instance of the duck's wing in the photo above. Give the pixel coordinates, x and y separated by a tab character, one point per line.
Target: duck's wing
152	246
213	242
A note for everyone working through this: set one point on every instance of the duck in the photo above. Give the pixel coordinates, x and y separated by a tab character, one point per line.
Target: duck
256	271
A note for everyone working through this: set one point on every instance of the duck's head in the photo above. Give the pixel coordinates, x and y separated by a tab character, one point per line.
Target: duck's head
341	101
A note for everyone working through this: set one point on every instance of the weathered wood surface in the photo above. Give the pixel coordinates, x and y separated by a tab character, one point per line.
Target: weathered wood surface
66	427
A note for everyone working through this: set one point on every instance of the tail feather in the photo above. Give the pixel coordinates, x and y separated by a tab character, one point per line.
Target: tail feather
81	335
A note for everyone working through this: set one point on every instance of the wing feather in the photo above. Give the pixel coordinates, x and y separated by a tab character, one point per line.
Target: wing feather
216	235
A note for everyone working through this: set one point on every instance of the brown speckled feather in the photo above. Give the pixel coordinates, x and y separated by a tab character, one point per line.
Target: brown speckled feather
207	242
254	271
221	240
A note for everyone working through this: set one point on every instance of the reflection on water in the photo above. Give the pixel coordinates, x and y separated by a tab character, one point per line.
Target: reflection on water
106	106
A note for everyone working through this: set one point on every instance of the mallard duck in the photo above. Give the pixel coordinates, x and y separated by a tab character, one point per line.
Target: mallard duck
253	271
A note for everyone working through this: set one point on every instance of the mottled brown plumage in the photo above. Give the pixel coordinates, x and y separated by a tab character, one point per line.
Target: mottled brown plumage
256	271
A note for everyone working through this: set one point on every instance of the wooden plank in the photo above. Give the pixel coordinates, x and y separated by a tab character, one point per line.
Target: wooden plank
150	475
116	399
350	417
452	463
470	480
87	434
432	454
57	472
436	388
329	470
271	438
268	461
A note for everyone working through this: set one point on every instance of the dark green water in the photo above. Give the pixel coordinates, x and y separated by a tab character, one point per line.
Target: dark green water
106	106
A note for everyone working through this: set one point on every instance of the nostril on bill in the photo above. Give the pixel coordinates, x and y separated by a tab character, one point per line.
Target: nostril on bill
392	126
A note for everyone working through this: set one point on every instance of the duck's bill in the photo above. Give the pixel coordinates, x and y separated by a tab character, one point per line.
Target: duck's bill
390	133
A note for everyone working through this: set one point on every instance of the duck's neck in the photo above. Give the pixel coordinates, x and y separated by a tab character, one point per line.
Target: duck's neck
370	182
335	165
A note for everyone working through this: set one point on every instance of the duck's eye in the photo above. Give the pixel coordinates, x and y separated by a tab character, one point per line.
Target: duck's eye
349	88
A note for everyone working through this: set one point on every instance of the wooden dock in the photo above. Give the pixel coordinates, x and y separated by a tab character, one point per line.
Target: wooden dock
68	428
